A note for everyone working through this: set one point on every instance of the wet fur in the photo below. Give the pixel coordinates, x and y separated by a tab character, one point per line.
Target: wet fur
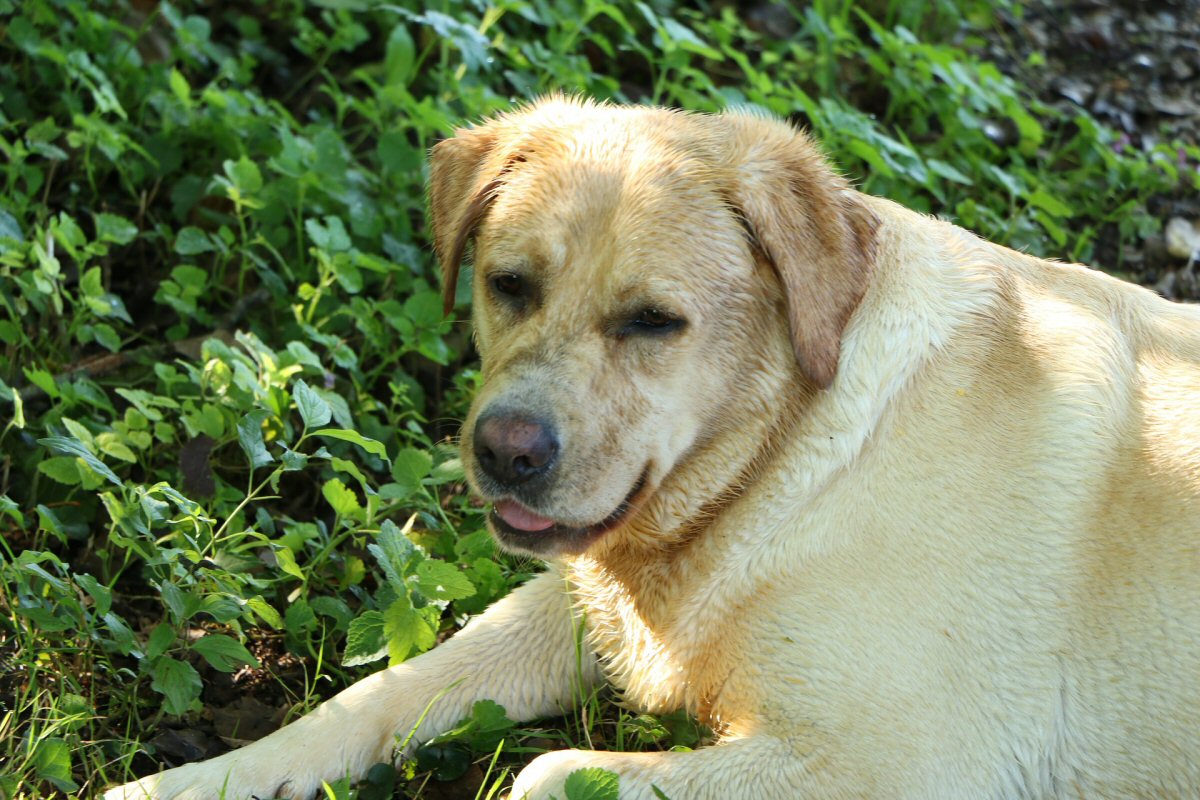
924	513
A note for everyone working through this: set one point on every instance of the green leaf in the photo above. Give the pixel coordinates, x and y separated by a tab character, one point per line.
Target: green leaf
63	469
365	640
265	611
395	552
592	783
178	682
191	241
407	630
114	228
1050	204
293	461
399	57
313	408
411	467
160	640
100	594
224	653
343	499
107	337
331	236
244	174
354	437
439	580
76	448
299	617
52	761
286	560
110	444
179	86
250	437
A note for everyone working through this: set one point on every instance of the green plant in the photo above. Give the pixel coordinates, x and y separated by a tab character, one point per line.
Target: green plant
227	390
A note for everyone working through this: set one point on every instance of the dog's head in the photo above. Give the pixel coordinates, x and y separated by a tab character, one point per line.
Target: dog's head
645	282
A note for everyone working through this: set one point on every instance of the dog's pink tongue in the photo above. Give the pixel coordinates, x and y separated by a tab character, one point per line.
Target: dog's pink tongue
521	518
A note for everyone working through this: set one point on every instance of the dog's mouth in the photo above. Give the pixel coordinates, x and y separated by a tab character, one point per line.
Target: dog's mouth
519	528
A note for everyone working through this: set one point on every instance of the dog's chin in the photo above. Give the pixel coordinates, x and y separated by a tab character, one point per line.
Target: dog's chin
565	540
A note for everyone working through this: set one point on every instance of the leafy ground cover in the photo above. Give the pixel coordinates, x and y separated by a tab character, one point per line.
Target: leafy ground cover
228	480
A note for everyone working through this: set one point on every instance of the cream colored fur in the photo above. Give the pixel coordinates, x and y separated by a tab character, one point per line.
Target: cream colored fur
968	567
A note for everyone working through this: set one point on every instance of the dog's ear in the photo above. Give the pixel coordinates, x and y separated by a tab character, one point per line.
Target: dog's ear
810	225
459	194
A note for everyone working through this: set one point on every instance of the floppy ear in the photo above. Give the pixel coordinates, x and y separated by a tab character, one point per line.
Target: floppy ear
459	195
810	225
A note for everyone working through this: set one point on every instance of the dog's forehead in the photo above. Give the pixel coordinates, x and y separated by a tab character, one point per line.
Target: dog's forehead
610	194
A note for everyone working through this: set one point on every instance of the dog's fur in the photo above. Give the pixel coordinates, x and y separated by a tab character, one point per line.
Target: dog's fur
911	515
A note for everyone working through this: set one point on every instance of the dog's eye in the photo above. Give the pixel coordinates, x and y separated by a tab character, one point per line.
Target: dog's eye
652	320
507	284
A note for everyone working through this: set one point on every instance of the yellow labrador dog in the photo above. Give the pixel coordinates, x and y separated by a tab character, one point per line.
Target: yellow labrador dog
899	512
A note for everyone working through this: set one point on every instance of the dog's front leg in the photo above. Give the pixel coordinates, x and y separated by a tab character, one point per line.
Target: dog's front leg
520	653
760	767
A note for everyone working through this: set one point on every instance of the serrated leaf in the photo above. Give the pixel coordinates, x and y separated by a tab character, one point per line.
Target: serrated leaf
342	498
313	408
224	653
354	437
299	617
395	552
250	437
365	641
407	630
592	783
439	580
75	447
178	682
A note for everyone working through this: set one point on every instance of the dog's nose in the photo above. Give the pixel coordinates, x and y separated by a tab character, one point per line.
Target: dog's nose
514	448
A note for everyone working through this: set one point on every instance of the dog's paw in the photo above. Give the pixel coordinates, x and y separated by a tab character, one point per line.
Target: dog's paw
213	780
547	774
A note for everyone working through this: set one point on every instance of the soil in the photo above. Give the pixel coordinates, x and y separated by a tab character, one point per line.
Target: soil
1135	66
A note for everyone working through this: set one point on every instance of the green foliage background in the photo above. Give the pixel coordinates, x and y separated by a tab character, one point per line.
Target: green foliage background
226	385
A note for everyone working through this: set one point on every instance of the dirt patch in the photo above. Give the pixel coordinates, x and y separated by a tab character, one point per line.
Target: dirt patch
1135	66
